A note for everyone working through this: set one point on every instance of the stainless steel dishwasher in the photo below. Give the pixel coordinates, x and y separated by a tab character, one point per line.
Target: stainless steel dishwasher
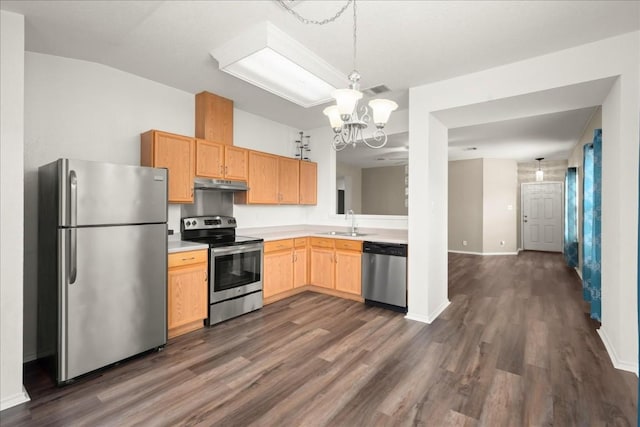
384	275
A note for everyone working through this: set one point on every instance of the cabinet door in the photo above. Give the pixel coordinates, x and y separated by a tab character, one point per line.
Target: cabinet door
236	163
209	157
348	268
177	154
322	267
299	267
214	118
278	273
308	183
263	178
187	299
288	181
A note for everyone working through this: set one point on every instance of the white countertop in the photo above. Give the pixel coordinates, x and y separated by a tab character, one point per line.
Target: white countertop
385	235
174	246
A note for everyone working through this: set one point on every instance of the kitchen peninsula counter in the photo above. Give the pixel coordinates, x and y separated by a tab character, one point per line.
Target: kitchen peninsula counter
386	235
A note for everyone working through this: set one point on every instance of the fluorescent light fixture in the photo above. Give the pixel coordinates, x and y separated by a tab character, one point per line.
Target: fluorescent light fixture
268	58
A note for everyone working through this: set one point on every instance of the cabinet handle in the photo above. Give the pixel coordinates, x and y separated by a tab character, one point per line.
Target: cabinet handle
205	276
221	170
188	259
226	170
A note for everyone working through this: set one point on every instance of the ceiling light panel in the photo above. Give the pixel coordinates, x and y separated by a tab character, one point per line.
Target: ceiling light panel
268	58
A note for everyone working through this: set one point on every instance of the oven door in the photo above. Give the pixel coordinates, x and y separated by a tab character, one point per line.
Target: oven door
234	271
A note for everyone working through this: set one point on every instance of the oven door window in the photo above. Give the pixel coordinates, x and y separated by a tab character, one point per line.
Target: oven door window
236	270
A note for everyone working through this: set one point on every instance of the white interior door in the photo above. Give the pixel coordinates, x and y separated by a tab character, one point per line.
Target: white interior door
542	216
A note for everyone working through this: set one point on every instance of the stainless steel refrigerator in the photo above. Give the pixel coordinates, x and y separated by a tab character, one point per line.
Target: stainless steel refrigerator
102	264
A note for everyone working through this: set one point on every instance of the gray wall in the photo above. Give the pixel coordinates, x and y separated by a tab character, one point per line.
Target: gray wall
352	176
499	197
465	205
383	191
482	211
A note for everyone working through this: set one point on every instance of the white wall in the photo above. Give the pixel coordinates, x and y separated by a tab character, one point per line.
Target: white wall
11	207
617	56
84	110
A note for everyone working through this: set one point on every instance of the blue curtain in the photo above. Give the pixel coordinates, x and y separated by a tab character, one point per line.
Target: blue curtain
591	224
571	217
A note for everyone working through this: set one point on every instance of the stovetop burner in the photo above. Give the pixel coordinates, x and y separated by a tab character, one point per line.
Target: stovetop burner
216	231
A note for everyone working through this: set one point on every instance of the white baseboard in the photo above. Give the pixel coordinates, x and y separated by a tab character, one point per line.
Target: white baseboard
417	317
617	363
16	399
438	311
484	253
431	317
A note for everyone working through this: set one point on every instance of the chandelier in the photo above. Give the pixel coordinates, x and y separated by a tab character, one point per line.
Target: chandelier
349	120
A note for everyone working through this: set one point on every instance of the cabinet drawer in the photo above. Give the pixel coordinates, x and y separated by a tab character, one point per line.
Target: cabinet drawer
278	245
180	259
300	242
322	242
349	245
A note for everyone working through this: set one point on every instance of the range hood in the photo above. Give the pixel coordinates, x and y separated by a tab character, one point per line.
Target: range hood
219	185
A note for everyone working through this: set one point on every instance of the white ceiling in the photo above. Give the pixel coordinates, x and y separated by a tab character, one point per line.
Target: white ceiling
401	43
551	136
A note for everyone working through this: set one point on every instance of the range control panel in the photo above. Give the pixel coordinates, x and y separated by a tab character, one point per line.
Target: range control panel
206	222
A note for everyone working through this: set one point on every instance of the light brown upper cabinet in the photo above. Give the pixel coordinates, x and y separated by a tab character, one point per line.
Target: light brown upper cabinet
288	181
262	181
279	180
216	160
214	118
236	163
176	153
209	159
308	183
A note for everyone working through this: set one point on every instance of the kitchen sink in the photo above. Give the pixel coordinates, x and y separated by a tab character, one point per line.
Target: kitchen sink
343	233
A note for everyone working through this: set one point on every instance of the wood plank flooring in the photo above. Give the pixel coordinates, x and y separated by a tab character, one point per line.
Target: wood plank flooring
516	347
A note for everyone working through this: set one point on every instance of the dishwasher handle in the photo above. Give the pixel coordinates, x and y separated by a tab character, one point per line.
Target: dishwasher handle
379	248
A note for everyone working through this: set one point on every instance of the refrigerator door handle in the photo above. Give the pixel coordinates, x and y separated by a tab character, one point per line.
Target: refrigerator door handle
73	220
73	255
73	199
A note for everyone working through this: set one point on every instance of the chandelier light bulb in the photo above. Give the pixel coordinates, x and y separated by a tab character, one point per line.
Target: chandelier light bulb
334	116
382	109
346	101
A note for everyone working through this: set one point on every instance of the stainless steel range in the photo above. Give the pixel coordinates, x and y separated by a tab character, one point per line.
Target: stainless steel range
235	265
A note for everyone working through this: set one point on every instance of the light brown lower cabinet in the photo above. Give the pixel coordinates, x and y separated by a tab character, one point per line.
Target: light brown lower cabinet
320	264
187	292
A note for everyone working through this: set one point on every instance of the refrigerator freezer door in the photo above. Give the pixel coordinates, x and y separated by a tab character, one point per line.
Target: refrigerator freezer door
117	306
95	193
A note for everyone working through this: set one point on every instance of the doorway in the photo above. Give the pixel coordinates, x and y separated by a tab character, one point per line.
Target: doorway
542	215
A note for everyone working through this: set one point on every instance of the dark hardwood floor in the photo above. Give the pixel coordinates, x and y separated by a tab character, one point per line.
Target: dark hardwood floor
516	347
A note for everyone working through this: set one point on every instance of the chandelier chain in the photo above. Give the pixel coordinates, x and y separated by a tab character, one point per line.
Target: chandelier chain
355	27
313	21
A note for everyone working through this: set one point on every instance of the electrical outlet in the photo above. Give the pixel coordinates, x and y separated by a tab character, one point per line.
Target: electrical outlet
501	242
464	243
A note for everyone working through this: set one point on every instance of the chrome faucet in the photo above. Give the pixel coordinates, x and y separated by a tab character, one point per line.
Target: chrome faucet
353	220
